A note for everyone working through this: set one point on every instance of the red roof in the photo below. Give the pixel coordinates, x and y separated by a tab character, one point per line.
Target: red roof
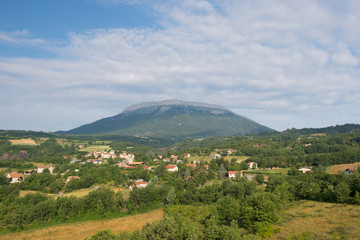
170	166
233	172
139	183
16	175
191	165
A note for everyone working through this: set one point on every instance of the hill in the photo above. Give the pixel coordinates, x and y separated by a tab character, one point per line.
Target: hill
172	119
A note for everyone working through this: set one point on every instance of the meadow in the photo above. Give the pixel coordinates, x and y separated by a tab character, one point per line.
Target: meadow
86	229
319	220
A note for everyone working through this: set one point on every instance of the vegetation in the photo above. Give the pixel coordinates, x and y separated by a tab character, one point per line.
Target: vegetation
200	201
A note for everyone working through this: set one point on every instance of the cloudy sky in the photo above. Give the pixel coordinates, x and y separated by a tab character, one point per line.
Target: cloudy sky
281	63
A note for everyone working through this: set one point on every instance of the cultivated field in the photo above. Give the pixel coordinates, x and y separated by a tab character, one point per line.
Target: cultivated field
320	220
335	169
86	229
24	141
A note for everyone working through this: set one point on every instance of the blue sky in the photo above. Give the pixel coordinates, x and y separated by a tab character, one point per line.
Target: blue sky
283	64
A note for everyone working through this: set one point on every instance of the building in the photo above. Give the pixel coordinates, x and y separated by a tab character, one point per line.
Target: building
232	174
172	168
15	177
95	161
252	165
71	177
304	170
40	169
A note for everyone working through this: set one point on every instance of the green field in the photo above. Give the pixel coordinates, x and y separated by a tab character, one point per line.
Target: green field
239	159
98	148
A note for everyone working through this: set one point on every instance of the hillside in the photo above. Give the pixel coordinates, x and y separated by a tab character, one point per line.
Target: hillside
173	119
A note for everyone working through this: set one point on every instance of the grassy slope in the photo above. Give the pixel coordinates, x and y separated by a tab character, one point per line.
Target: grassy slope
88	228
322	220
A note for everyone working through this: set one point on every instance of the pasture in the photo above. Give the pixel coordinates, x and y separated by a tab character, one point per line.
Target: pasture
85	229
335	169
319	220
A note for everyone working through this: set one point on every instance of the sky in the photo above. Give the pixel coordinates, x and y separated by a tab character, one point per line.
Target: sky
283	64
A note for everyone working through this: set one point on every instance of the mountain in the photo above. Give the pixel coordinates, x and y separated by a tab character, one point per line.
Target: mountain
174	119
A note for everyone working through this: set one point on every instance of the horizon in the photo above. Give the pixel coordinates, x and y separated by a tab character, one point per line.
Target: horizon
284	65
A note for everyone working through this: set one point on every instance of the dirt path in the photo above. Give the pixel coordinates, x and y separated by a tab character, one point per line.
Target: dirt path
86	229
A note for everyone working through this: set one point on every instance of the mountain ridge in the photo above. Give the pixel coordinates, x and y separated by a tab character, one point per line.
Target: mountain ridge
173	119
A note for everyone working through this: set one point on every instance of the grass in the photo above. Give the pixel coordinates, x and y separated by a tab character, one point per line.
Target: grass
23	141
88	228
282	171
239	159
99	148
320	220
335	169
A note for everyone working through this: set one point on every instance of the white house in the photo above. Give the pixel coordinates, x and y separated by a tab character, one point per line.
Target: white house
141	184
232	174
95	161
15	177
172	168
40	169
305	170
252	165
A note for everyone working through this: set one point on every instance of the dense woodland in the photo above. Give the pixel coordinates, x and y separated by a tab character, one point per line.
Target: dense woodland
199	203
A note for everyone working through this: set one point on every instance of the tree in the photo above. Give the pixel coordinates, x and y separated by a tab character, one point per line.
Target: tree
259	178
221	172
342	192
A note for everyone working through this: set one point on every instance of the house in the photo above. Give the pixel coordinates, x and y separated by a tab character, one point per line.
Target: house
131	187
348	171
232	174
304	170
172	168
207	166
136	163
215	156
15	177
131	167
166	159
179	161
71	177
75	161
40	169
148	168
252	165
141	184
160	156
191	165
95	161
173	156
186	155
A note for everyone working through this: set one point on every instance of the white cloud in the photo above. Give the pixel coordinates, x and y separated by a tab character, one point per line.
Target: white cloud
295	61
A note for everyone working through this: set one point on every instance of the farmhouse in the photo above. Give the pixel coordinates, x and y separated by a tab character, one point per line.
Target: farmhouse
232	174
95	161
186	155
305	170
172	168
15	177
40	169
252	165
141	184
71	177
191	165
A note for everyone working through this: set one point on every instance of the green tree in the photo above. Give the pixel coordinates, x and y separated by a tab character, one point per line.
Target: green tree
221	172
